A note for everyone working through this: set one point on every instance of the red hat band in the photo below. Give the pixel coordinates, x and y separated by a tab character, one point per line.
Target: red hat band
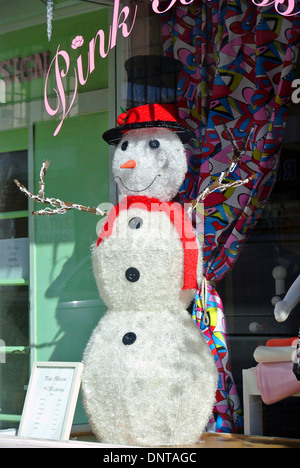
148	116
149	113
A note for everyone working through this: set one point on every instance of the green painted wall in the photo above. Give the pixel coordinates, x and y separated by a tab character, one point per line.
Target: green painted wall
63	270
67	304
14	140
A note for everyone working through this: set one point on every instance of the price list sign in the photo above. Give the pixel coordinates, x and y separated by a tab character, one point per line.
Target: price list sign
51	400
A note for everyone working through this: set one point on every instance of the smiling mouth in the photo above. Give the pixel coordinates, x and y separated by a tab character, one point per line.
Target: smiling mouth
130	190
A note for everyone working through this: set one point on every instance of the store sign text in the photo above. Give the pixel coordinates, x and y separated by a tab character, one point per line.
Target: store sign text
120	21
124	21
283	7
24	69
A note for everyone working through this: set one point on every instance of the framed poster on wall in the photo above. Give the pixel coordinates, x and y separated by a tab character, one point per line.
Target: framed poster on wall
51	400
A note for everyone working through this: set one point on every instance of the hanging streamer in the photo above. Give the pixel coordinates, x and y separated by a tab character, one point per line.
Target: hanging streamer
49	18
208	314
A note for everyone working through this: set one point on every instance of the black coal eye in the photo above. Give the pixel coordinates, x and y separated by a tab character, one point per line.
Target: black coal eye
124	145
154	144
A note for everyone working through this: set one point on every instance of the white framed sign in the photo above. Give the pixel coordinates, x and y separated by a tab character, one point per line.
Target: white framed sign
14	258
50	401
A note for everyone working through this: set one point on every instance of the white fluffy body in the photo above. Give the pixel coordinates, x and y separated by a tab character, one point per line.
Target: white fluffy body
155	250
160	388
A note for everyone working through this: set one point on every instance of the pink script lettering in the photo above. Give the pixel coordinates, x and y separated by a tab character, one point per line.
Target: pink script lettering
60	64
284	7
155	5
61	60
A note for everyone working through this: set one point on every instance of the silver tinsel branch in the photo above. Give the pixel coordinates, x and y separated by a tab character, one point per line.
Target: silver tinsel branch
49	18
58	206
219	184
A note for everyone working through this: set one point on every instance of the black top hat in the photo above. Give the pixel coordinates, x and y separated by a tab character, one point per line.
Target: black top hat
151	97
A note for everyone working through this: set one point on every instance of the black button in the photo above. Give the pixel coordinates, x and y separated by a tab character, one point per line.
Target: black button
132	274
135	223
129	338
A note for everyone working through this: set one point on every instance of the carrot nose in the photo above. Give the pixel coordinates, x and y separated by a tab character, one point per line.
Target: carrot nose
129	164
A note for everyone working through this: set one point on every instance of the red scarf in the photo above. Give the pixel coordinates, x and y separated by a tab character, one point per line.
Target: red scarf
180	221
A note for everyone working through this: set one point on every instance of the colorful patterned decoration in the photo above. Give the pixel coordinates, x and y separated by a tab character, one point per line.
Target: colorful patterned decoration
238	66
296	365
227	411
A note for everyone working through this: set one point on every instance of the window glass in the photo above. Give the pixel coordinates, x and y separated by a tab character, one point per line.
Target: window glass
14	277
55	295
249	290
13	165
14	319
57	110
14	380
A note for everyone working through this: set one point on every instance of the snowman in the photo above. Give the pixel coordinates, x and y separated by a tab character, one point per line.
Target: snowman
149	378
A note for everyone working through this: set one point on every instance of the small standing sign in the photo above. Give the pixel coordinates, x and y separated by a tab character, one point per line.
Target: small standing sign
51	399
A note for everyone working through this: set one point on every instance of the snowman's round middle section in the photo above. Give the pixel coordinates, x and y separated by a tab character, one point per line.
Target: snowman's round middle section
144	265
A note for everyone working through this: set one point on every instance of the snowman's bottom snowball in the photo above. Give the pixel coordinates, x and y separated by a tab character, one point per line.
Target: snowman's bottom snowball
158	390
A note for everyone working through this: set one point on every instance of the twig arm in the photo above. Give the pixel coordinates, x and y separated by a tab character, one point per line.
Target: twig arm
219	184
216	185
58	206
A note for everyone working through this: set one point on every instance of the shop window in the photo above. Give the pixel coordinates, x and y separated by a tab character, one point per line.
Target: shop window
62	303
14	282
49	306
